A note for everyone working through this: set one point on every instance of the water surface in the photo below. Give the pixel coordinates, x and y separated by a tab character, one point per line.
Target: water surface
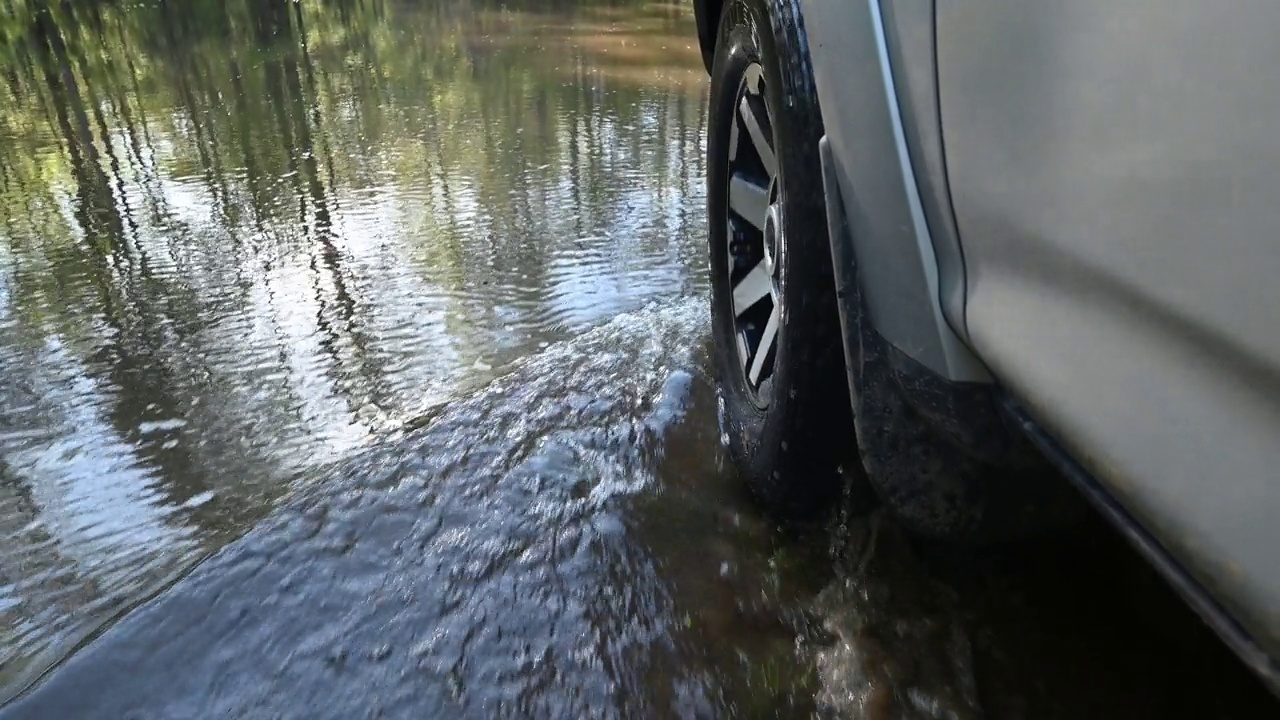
244	239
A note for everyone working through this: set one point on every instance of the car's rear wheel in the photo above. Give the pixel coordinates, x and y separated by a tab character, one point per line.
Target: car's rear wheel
777	330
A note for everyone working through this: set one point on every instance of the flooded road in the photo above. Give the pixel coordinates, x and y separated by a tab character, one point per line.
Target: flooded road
353	364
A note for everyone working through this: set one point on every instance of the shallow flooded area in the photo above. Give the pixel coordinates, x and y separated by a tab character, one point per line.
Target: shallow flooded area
353	363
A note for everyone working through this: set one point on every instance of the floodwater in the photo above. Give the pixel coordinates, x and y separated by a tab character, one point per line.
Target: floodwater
353	364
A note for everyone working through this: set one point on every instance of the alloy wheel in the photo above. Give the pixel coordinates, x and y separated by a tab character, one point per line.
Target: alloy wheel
755	234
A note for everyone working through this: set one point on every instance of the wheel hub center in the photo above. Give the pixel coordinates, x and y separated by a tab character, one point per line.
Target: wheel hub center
772	236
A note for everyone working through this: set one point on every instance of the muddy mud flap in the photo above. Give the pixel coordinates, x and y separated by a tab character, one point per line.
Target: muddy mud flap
843	265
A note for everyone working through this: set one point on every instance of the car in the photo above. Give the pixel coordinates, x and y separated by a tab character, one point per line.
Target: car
981	246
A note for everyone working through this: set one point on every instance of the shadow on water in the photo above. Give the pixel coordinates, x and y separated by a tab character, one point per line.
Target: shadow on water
379	324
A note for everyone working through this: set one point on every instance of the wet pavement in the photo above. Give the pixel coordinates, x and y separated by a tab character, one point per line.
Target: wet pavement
353	364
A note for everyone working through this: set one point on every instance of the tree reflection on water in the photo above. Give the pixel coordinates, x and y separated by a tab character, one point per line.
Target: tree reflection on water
240	238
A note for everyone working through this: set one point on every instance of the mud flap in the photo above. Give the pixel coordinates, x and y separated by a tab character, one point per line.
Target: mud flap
844	267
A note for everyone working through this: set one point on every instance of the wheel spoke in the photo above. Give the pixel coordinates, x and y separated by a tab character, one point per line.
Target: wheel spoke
749	200
751	289
752	77
758	139
767	340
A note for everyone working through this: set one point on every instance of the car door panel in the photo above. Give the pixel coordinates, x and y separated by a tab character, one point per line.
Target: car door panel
1114	167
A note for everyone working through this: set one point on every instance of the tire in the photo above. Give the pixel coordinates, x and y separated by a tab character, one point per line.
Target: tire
787	416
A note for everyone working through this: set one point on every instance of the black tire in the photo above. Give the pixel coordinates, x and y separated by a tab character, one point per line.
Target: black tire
790	445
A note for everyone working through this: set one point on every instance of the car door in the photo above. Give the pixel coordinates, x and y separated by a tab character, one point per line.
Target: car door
1115	174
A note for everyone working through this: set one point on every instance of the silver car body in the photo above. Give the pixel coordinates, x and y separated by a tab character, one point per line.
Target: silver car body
1081	201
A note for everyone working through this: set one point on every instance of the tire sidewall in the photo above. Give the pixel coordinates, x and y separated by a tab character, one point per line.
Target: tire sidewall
792	440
